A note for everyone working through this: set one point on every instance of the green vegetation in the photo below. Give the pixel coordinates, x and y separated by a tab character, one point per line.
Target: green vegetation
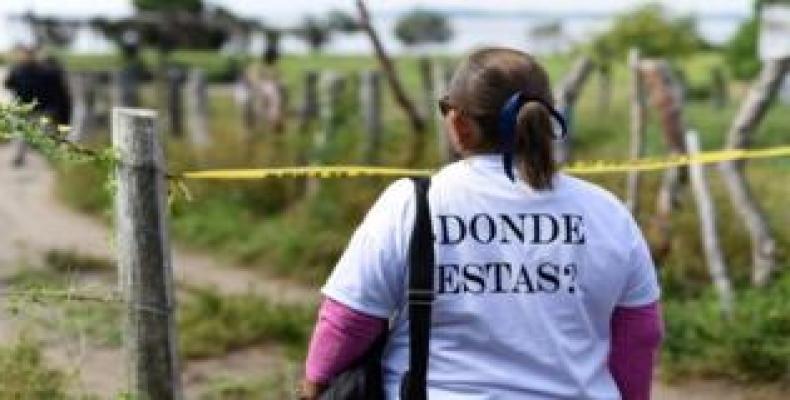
26	376
98	321
423	27
741	51
169	6
279	386
753	346
212	325
209	324
270	224
64	261
653	31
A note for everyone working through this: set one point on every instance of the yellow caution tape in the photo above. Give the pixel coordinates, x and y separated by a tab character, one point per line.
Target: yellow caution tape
323	172
578	168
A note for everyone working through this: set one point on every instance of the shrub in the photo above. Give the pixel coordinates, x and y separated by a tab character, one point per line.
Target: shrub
741	51
25	375
211	324
754	346
422	27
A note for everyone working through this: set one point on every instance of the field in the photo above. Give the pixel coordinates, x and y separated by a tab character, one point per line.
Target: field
271	227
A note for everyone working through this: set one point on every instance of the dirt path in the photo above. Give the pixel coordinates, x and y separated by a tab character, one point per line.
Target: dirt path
32	222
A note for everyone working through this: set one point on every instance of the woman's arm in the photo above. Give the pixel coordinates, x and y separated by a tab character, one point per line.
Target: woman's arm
341	336
636	338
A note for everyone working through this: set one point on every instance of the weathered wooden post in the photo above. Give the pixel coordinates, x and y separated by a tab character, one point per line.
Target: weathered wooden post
331	87
145	269
425	66
83	89
370	100
245	103
604	87
637	129
754	107
710	235
719	92
565	98
667	98
175	103
442	74
309	110
197	108
126	82
418	123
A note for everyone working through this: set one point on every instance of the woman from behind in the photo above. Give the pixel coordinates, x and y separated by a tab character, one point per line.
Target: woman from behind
544	286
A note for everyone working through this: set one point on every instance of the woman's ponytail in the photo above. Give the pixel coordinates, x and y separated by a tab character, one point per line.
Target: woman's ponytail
509	95
534	145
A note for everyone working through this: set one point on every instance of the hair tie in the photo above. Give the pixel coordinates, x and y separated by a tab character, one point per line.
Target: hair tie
508	119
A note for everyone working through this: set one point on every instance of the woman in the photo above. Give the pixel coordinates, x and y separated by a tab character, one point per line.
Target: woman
544	286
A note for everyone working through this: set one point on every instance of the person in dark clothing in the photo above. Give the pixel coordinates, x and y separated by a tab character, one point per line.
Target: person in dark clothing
42	83
56	96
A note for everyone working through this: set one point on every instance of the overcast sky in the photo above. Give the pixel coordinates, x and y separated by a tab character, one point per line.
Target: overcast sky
290	9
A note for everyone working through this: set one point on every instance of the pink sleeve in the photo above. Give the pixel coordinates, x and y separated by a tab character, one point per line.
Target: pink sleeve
341	336
636	337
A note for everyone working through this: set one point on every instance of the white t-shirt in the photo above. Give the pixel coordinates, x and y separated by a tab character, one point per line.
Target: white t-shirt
525	283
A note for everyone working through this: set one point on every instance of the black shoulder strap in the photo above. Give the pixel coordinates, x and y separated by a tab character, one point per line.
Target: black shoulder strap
421	266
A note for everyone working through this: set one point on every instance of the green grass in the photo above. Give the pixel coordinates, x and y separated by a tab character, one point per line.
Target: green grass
26	376
209	324
753	347
212	325
99	322
273	386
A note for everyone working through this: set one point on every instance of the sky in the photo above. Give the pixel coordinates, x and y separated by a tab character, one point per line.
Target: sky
294	9
289	12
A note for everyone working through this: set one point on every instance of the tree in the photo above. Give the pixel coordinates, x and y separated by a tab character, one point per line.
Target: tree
655	33
192	6
315	32
422	27
740	53
341	21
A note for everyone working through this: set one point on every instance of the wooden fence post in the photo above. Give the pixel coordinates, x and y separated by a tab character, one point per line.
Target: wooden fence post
754	107
565	98
425	66
83	89
331	87
710	236
145	269
637	129
370	100
442	74
310	105
667	98
197	108
604	88
720	95
175	102
418	123
125	87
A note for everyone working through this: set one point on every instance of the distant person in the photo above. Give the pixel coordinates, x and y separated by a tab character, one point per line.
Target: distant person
544	286
56	96
42	82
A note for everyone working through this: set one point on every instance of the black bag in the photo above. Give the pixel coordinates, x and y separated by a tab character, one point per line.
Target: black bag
364	380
